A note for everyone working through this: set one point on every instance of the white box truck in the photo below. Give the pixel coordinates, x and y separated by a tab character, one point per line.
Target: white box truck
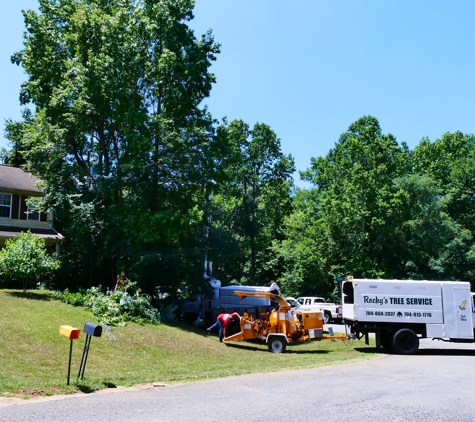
399	312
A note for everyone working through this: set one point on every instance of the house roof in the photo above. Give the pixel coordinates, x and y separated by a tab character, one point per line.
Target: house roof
49	235
17	179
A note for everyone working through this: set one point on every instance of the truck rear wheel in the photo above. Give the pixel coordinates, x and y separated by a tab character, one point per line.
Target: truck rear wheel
276	344
405	342
327	316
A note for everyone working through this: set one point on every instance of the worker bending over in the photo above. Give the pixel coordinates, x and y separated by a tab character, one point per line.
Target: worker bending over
222	322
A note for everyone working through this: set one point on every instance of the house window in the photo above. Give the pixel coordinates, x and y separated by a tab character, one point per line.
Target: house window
33	213
5	205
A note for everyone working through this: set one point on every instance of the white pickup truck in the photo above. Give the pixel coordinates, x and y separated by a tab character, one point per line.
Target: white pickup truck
331	311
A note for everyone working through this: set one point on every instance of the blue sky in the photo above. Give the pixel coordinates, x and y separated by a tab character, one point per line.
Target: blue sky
310	68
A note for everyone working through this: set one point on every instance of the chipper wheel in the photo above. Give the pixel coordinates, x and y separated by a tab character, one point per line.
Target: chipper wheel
276	344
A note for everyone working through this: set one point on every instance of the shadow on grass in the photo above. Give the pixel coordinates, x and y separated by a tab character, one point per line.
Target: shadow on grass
290	350
109	384
88	389
247	345
184	326
31	295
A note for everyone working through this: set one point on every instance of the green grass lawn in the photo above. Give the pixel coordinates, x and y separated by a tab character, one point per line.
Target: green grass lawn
34	356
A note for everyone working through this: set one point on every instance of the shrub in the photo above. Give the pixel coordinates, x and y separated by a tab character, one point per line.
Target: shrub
24	258
113	307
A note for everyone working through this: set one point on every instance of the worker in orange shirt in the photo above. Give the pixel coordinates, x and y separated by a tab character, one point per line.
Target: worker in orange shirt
222	322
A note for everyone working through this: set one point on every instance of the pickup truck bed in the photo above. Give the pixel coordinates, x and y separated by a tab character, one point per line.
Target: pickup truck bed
332	312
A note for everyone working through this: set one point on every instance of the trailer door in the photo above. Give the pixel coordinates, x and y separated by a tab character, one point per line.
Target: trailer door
463	313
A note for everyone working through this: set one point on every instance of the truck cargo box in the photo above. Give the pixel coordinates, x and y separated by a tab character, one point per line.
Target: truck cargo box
406	300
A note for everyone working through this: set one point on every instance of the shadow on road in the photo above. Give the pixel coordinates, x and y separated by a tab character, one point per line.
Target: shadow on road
445	352
420	352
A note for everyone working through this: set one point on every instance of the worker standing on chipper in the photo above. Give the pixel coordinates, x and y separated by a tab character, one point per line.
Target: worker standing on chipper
222	322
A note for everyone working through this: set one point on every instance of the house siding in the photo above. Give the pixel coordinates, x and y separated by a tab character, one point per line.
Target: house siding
23	207
20	185
15	206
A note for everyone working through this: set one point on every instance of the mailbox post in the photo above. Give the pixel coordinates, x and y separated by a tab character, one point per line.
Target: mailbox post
72	334
91	330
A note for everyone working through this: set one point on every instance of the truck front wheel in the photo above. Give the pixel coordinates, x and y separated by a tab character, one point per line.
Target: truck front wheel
276	344
405	342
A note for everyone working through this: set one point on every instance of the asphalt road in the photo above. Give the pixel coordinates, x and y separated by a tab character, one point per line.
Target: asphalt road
434	385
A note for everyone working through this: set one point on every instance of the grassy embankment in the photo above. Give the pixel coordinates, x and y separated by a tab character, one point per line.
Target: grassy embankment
34	356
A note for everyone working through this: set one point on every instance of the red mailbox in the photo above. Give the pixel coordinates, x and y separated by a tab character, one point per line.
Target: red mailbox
69	332
72	334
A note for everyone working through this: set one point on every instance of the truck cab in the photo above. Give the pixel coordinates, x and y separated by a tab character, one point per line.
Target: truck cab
310	300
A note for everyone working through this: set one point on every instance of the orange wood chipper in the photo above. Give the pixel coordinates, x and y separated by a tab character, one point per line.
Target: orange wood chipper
281	326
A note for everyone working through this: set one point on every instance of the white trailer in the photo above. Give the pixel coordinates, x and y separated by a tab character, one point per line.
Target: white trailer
400	312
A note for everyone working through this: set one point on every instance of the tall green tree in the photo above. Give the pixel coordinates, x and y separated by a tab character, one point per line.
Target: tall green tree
250	207
357	200
118	136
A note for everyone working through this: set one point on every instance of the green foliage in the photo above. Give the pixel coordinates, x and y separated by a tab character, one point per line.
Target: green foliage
14	132
113	307
24	259
450	162
440	158
429	242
